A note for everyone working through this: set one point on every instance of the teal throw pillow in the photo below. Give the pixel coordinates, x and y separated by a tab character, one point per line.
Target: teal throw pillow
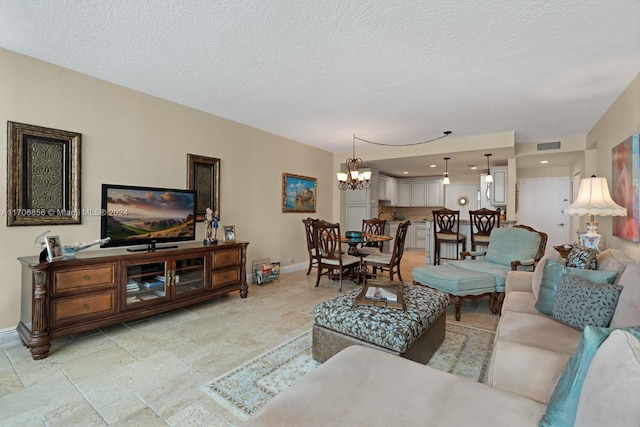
579	302
581	257
551	277
563	404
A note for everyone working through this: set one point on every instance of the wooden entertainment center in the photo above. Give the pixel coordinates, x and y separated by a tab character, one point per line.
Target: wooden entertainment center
100	288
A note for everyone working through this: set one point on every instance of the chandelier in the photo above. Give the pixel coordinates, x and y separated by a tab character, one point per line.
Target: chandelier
354	178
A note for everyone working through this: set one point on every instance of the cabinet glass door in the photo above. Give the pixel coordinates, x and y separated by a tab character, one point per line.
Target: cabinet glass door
189	274
145	282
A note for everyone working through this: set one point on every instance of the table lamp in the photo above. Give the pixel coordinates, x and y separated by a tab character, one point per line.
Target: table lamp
594	199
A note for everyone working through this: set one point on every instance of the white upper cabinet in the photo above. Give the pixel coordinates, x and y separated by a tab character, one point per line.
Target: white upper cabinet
387	189
499	187
435	192
419	192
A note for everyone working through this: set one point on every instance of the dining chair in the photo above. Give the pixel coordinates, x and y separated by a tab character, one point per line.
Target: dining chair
390	262
482	222
447	231
329	255
373	226
311	246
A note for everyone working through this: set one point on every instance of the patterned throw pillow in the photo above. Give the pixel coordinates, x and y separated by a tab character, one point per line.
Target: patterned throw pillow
581	257
579	302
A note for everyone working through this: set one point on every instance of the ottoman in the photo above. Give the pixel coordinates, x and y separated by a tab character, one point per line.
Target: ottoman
457	282
414	333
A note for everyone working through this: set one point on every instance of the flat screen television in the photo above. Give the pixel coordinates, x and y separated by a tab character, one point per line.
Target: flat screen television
146	216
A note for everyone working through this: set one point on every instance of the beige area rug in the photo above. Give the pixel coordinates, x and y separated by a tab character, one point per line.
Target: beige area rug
465	352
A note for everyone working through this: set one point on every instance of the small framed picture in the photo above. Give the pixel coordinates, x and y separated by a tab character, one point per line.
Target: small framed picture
54	247
228	233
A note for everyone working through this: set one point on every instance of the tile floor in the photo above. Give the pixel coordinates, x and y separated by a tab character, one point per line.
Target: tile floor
148	372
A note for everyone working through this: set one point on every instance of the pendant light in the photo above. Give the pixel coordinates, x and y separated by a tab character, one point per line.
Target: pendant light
489	177
354	178
446	179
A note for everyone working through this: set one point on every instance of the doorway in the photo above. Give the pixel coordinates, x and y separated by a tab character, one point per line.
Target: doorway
541	204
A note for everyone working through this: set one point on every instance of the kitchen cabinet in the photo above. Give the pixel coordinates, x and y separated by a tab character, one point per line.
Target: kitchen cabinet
355	213
387	189
499	190
404	187
419	192
435	192
419	235
416	236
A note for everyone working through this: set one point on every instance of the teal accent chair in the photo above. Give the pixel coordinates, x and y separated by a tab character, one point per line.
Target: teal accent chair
513	248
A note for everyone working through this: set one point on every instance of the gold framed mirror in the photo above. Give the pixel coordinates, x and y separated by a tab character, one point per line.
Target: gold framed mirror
463	201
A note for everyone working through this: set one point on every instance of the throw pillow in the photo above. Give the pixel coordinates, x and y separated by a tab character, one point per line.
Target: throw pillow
581	257
628	309
551	276
611	388
563	404
579	302
537	273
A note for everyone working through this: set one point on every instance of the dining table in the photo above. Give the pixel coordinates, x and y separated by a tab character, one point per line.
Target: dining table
354	241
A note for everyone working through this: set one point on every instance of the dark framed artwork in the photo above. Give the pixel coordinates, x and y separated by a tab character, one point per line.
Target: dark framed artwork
43	175
204	179
625	190
298	193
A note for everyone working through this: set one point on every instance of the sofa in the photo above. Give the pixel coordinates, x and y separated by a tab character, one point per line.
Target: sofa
542	371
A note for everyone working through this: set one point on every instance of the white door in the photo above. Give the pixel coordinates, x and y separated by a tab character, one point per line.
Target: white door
541	203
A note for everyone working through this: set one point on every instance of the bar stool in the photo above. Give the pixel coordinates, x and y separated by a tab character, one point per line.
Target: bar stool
482	222
447	230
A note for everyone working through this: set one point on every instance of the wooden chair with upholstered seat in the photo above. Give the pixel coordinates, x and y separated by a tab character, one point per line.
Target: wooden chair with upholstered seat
482	222
373	226
330	259
447	230
311	246
390	262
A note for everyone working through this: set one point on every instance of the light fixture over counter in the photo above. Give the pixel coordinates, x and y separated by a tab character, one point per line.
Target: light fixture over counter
489	177
354	178
446	180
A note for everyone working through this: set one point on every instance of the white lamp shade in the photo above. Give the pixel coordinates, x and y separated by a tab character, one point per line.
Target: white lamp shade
446	180
594	199
342	177
367	175
488	178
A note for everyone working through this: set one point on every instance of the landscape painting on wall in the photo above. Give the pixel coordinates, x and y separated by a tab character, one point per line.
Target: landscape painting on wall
626	187
298	193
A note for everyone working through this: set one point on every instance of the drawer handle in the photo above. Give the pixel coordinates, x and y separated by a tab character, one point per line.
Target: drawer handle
86	277
86	306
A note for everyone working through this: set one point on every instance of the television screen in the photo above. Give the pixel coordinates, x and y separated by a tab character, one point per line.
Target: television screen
146	215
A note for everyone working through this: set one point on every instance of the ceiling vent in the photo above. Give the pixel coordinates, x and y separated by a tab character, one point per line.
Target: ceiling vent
549	146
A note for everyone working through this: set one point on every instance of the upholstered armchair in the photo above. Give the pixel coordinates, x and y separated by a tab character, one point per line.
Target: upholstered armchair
512	248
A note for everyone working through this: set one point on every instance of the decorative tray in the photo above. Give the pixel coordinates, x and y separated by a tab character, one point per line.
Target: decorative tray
382	293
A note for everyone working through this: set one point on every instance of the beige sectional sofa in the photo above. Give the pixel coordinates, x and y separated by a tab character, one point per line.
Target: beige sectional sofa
363	386
530	348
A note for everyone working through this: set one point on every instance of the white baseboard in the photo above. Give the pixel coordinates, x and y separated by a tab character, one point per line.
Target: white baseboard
9	336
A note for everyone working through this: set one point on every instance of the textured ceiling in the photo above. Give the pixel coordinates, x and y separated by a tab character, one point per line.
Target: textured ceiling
319	71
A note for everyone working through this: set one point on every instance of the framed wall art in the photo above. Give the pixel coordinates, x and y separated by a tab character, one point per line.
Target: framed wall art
204	179
43	175
625	189
298	193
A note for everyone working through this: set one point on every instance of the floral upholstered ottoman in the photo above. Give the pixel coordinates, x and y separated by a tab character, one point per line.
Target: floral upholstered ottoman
414	333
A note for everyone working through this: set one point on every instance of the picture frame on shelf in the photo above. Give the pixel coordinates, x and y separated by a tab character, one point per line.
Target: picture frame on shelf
54	247
299	193
228	233
43	175
203	176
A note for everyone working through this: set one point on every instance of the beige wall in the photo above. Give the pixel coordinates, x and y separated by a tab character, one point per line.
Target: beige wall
132	138
617	124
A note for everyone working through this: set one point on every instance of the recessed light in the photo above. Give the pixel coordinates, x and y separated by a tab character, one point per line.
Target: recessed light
432	166
544	162
405	173
473	167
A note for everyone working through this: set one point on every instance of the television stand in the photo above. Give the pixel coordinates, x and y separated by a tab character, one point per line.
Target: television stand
150	248
110	286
